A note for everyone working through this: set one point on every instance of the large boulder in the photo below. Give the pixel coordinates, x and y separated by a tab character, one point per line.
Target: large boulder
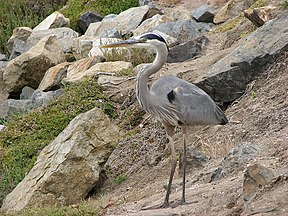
226	80
64	35
54	20
78	69
98	69
150	23
125	22
29	68
183	30
69	167
40	98
11	107
188	50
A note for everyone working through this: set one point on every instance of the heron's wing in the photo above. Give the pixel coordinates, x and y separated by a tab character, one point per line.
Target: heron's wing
193	104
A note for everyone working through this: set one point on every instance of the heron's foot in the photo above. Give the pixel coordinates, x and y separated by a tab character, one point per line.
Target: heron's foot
164	205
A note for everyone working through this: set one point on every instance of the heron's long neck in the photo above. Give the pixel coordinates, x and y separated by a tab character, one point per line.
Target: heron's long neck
143	92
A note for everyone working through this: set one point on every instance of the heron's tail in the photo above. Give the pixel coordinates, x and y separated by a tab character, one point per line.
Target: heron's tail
221	116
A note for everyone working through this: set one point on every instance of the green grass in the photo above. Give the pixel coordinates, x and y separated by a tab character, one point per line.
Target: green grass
258	3
26	135
76	7
119	179
284	5
15	13
88	209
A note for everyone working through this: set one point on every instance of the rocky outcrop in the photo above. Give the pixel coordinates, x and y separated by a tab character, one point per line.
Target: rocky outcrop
29	68
70	167
226	80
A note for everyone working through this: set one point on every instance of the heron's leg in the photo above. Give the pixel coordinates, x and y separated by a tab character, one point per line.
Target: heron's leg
173	167
184	163
170	130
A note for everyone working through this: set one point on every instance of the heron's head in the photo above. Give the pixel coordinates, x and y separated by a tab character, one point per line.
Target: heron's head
148	40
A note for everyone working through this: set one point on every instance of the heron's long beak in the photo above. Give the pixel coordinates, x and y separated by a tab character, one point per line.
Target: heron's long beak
124	43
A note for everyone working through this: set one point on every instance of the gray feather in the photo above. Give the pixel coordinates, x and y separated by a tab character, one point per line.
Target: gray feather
193	105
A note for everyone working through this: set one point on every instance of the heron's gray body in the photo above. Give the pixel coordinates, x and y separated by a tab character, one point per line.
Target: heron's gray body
192	105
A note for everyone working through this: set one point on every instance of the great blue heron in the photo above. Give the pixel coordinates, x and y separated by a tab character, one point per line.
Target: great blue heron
174	101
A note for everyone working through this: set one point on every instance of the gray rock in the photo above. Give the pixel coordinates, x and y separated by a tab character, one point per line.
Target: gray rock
226	80
64	35
237	158
29	68
54	20
203	14
19	47
111	33
11	107
186	51
86	19
184	30
69	167
40	98
20	33
26	93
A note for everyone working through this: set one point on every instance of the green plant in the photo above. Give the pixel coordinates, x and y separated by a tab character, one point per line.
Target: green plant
126	72
119	179
253	94
258	3
93	208
284	5
16	13
27	134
